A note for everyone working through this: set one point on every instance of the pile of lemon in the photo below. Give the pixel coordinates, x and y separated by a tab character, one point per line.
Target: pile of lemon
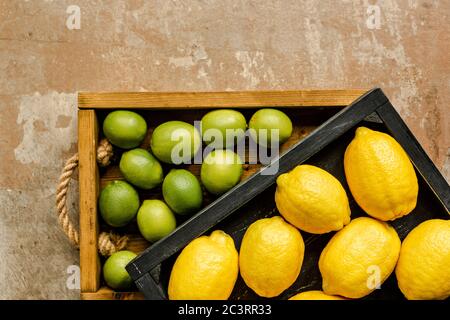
360	256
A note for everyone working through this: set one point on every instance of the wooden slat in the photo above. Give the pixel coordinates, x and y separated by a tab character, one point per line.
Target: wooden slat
136	243
88	190
248	99
106	293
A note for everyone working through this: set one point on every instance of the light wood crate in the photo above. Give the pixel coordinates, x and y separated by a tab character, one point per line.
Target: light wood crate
308	108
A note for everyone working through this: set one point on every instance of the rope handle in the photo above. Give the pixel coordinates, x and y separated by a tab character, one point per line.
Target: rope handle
108	243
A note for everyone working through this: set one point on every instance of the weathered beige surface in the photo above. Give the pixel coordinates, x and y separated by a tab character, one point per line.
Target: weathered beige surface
187	45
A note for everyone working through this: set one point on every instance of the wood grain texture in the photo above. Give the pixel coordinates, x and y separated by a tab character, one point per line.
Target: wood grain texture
136	243
196	100
88	190
105	293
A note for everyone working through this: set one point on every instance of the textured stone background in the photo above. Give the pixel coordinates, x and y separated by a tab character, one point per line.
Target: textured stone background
187	45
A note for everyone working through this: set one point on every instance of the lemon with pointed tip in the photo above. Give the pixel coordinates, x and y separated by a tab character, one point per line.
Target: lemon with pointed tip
312	200
359	258
314	295
271	256
206	269
423	269
380	175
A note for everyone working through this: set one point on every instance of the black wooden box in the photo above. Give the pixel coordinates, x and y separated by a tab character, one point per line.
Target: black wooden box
253	199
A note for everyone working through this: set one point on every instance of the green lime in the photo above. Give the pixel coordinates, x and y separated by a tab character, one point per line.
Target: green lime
124	129
221	170
182	191
141	168
228	126
175	142
114	272
155	220
119	203
266	122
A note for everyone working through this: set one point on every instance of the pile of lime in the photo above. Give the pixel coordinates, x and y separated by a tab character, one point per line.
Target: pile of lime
173	144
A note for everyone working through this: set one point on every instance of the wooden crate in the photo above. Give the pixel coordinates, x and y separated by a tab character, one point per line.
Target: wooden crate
307	109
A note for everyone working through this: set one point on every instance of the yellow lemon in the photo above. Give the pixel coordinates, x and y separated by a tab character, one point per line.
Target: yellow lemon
423	269
380	175
312	200
271	256
206	269
314	295
359	258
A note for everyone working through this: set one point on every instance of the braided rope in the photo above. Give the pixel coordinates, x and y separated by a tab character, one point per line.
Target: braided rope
108	243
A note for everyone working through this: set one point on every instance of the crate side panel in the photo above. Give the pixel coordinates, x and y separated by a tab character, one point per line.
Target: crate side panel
88	190
196	100
106	293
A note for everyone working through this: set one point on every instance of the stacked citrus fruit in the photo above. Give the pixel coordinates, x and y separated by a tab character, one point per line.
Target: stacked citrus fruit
358	258
363	252
171	144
